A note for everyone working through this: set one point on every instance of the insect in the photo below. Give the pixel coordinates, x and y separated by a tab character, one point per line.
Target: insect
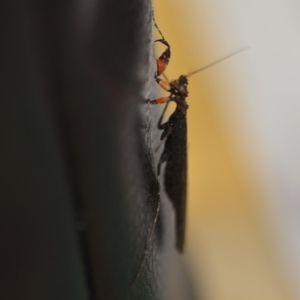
175	150
174	133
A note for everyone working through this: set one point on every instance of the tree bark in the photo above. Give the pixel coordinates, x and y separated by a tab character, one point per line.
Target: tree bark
78	180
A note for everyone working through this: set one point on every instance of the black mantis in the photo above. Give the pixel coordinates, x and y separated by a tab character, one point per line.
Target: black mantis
174	133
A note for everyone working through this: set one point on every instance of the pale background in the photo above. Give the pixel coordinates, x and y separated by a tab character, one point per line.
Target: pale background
243	231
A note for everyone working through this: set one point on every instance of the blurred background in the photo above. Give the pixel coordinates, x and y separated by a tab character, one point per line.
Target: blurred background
243	226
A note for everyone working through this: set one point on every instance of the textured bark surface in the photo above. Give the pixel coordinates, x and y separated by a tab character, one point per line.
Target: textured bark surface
77	178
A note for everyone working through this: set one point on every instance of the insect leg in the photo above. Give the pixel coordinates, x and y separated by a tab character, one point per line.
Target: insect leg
164	84
160	100
163	61
164	157
159	124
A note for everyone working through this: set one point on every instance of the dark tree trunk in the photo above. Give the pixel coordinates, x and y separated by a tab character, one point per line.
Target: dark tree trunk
78	180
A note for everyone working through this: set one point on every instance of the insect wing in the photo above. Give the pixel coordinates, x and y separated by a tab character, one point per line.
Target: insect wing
176	172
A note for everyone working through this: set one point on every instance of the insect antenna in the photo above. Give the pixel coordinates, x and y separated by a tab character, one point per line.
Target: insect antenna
218	60
154	21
